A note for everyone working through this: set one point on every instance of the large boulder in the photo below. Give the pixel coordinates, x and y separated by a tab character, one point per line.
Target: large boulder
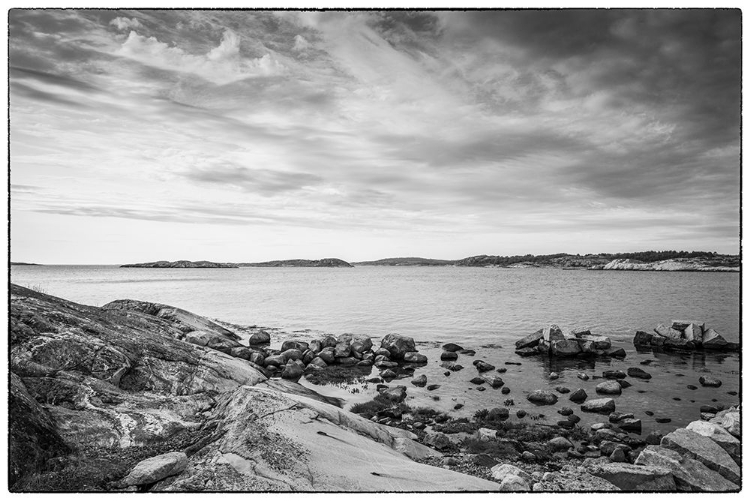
667	332
719	435
703	449
631	478
642	338
693	332
730	421
597	342
327	354
260	337
157	468
552	333
601	405
712	340
531	340
542	397
360	343
565	348
293	369
398	345
342	349
689	474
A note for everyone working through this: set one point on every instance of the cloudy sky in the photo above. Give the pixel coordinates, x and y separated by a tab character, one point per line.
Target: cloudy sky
256	135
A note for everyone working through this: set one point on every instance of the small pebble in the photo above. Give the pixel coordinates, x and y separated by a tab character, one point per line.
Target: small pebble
458	406
481	388
502	370
505	390
677	399
692	387
648	413
663	420
554	375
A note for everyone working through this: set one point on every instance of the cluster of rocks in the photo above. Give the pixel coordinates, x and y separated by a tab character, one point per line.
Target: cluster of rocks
553	342
706	456
346	350
683	335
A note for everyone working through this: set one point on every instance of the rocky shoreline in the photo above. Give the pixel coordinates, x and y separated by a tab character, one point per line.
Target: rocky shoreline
138	396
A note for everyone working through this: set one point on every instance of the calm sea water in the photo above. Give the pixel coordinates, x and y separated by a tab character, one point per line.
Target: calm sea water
486	309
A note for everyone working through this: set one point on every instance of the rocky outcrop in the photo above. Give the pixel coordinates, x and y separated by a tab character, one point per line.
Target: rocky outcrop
703	449
554	343
684	335
96	391
689	475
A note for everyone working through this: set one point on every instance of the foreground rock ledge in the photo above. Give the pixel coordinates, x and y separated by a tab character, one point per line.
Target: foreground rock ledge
122	382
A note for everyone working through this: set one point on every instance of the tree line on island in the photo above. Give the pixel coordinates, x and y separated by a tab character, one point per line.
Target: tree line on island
683	260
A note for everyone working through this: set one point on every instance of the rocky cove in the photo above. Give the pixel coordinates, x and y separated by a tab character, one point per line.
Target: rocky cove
143	396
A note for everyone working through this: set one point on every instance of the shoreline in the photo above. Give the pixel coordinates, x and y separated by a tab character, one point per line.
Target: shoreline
461	451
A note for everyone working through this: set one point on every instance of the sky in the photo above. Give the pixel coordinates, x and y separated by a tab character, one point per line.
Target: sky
255	135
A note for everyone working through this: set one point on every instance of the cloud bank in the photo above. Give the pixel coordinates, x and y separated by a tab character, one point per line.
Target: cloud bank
380	133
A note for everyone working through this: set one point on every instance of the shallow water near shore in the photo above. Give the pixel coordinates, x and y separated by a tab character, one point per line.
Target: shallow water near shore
484	309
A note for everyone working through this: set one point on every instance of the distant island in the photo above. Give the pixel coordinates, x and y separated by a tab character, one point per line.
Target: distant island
180	264
330	262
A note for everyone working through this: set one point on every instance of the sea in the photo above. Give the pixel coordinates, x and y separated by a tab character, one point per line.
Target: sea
483	309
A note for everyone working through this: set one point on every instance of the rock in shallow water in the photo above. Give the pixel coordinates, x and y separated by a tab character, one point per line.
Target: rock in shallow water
609	388
398	345
599	405
709	381
542	397
578	396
